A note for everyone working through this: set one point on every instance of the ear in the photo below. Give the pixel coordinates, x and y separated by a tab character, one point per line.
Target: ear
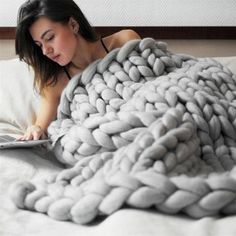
74	25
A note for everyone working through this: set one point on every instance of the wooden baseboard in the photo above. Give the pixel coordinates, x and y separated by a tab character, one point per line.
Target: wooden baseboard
156	32
177	32
7	32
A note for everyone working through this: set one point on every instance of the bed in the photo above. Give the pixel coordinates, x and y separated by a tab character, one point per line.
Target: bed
37	163
18	107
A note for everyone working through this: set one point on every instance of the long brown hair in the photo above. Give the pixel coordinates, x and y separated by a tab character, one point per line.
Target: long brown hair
46	71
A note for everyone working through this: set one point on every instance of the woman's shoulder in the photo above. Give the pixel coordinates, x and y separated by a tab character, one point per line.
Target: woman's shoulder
126	35
119	38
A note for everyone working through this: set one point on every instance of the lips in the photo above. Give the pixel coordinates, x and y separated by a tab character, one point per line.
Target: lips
55	58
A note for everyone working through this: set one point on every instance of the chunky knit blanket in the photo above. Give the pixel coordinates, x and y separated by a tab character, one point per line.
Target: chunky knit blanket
142	127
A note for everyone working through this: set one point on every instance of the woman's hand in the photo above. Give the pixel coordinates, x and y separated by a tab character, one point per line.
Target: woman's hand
33	132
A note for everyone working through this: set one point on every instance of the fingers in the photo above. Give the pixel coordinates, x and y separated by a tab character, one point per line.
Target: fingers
33	132
36	135
24	137
27	136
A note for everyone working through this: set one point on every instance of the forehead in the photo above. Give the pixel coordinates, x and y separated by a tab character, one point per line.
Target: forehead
43	24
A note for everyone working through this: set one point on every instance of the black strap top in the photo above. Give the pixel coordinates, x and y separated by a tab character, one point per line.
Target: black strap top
67	73
105	48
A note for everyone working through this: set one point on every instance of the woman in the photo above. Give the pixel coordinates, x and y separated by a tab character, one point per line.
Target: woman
57	41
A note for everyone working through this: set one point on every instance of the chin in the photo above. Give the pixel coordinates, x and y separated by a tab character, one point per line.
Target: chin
61	63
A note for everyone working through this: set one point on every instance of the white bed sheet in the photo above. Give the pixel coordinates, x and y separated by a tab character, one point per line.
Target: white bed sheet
27	164
35	164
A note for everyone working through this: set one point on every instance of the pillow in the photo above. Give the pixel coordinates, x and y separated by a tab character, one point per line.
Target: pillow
18	99
229	62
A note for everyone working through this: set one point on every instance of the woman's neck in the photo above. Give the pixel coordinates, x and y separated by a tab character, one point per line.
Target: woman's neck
86	53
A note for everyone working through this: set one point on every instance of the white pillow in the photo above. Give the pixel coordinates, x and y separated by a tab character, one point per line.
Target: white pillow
18	99
229	62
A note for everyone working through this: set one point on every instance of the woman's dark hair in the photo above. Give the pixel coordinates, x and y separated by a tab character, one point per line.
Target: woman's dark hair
46	71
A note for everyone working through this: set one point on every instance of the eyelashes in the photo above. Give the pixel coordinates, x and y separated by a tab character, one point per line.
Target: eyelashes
48	39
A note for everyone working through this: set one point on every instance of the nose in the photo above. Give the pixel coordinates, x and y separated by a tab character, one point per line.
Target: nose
47	49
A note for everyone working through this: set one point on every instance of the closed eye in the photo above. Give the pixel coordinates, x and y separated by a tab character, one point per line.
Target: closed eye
49	38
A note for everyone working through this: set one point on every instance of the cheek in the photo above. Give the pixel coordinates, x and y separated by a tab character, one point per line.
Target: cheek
68	45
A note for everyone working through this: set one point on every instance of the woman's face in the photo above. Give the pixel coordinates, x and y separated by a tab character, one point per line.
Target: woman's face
57	41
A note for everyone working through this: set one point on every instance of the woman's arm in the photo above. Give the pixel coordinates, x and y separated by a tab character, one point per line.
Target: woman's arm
47	111
46	114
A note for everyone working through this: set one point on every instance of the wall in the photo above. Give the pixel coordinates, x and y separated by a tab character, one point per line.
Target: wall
144	12
147	13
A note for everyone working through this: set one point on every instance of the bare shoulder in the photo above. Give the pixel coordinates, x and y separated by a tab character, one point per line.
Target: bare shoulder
125	35
119	38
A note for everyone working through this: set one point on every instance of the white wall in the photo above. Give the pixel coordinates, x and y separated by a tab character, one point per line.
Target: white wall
144	12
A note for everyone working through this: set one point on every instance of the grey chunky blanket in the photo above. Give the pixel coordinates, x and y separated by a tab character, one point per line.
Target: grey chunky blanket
144	128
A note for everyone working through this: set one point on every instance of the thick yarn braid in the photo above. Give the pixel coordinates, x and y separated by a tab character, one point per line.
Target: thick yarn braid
142	127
